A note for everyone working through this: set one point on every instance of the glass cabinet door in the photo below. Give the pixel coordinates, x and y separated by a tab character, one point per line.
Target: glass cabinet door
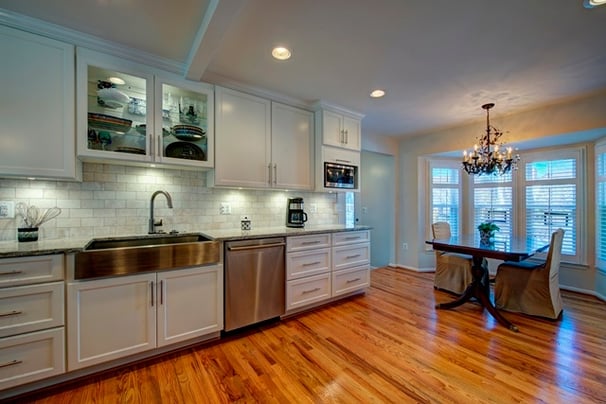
117	112
186	122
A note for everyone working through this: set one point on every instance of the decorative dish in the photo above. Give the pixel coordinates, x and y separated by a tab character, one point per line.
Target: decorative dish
184	150
188	132
108	122
112	98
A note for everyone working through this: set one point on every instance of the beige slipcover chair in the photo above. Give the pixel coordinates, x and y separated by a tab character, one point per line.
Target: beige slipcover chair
453	271
532	289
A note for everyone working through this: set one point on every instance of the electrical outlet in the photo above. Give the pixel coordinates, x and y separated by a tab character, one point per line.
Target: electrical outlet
364	209
404	246
313	208
225	208
7	209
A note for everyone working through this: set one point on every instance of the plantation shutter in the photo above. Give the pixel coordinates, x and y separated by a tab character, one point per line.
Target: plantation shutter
493	202
551	201
601	206
446	194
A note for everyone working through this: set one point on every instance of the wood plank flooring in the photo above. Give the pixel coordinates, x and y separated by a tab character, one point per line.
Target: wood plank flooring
387	346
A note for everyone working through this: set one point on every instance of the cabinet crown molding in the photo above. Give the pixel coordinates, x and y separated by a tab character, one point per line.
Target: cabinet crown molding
318	105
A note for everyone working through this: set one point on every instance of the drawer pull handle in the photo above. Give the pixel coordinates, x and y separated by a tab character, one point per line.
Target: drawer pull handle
310	291
352	238
309	264
11	273
11	313
11	363
310	242
352	256
353	280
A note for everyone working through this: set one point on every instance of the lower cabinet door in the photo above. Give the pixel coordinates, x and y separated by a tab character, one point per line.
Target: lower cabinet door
190	303
33	356
110	319
350	280
307	291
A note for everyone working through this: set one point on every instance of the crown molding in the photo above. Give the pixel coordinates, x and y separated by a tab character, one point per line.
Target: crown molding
80	39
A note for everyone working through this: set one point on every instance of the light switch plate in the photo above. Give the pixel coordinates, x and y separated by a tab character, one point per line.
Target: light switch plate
7	209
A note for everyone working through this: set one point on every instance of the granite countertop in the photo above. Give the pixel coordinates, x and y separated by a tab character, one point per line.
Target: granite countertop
16	249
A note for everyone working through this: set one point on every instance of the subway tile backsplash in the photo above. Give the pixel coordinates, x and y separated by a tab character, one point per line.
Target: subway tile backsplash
114	200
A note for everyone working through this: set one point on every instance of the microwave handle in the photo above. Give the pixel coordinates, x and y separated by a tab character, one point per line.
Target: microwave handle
343	161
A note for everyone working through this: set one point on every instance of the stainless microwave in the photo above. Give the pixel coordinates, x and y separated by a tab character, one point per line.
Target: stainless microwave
342	176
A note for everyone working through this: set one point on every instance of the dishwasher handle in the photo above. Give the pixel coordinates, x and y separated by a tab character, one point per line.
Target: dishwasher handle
255	246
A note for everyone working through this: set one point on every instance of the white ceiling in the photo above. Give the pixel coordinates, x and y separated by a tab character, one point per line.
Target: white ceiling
438	60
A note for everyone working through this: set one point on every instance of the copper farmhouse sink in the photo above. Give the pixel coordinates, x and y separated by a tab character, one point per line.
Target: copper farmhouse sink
131	255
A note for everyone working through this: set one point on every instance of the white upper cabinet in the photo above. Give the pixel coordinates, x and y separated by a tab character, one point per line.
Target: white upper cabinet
339	128
37	107
292	147
261	144
128	112
243	141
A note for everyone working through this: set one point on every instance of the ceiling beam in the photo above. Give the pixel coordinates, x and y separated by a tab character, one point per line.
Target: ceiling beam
217	20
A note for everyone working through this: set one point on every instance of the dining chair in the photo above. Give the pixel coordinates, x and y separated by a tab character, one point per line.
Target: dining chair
453	271
532	289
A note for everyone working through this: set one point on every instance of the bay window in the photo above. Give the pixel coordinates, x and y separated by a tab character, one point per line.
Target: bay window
445	194
600	220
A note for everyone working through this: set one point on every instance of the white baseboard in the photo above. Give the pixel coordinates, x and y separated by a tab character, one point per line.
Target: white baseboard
583	291
415	269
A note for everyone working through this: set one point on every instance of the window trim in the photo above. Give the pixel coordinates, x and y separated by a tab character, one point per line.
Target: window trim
573	152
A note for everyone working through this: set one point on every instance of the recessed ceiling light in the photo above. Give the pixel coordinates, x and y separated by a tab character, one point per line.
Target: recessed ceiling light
116	80
377	93
281	53
593	3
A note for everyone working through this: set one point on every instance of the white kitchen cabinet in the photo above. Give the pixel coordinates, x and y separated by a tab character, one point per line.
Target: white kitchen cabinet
292	147
32	356
350	262
109	319
148	117
243	139
117	317
324	267
308	267
32	332
339	128
190	303
261	144
37	107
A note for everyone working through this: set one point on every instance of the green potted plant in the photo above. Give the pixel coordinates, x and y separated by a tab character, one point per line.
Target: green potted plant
487	230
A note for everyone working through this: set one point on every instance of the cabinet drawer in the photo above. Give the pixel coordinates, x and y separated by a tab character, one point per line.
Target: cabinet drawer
350	237
350	255
302	292
31	308
300	243
306	263
28	357
26	270
349	280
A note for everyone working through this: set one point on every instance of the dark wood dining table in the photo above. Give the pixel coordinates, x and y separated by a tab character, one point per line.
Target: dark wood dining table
515	249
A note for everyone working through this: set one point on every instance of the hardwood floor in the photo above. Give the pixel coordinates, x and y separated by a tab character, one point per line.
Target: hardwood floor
389	345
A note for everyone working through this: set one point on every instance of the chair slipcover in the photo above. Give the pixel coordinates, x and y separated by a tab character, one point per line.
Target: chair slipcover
532	289
453	271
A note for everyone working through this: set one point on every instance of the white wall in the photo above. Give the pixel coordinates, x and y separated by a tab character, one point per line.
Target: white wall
114	200
573	116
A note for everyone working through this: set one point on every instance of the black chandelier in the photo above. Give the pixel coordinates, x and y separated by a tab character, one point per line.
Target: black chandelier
483	160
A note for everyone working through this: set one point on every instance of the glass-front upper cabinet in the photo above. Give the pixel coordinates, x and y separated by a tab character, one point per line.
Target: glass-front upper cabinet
129	112
186	121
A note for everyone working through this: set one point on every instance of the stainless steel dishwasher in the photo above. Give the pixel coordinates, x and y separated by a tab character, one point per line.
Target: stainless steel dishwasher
254	281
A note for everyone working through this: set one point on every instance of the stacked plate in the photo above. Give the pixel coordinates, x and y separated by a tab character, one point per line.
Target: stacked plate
189	133
108	122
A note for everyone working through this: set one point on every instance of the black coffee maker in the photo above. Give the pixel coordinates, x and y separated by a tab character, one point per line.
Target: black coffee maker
295	217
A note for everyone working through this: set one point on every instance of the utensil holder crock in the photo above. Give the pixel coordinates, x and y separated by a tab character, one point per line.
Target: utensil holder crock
27	234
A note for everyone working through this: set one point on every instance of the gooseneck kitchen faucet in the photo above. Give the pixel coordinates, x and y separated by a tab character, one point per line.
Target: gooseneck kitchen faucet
152	222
